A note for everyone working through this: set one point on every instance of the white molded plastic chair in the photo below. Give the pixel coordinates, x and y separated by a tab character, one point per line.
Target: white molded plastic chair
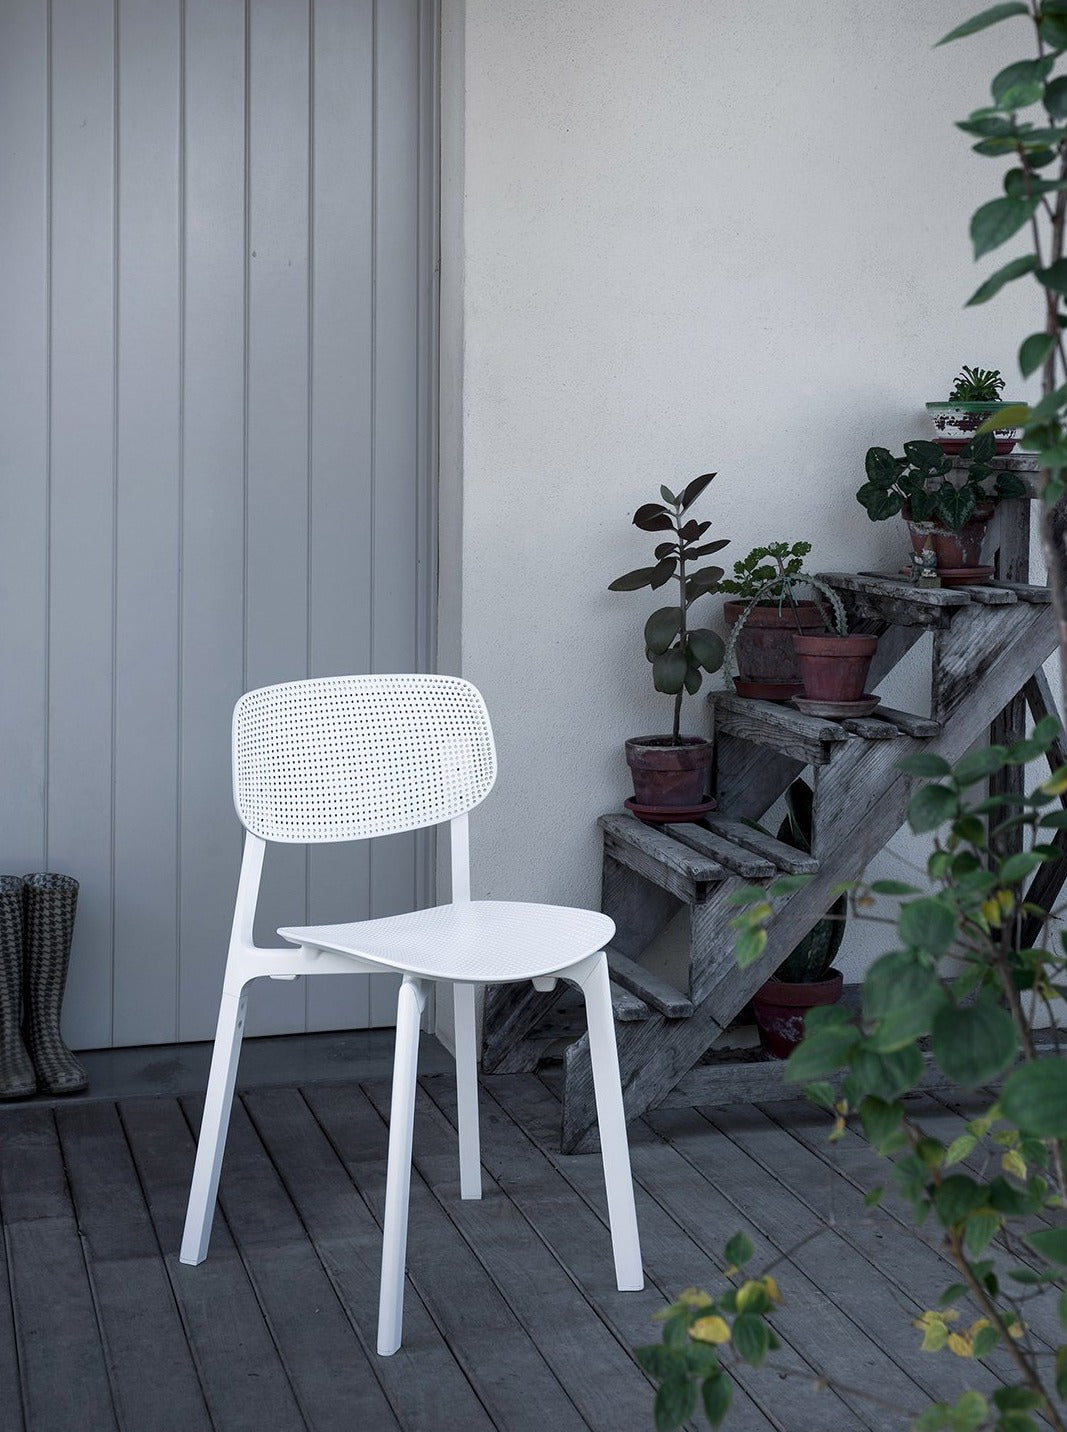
345	758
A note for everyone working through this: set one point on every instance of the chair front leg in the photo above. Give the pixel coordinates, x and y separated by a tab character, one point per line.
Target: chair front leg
611	1118
410	1003
212	1142
470	1158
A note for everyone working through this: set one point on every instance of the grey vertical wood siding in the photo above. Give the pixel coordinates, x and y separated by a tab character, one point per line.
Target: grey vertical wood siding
217	281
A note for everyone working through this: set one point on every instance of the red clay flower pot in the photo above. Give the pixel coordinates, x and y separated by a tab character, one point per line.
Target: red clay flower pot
953	549
767	665
835	668
666	776
780	1007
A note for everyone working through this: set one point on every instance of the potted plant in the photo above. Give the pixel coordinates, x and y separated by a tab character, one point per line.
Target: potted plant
670	773
974	397
944	506
826	670
806	977
766	615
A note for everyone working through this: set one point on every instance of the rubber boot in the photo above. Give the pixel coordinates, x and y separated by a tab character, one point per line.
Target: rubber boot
51	901
17	1079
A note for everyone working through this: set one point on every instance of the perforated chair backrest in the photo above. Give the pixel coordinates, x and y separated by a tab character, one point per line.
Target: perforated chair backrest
346	757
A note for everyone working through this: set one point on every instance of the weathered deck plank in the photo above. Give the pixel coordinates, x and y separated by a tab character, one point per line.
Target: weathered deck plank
512	1319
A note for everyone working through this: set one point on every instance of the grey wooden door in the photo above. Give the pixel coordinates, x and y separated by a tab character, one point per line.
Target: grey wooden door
217	250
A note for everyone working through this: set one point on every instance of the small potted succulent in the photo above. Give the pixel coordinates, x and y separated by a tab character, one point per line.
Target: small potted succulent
974	397
671	773
806	977
826	667
942	505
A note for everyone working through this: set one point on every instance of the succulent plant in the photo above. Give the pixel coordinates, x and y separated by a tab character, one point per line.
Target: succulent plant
977	385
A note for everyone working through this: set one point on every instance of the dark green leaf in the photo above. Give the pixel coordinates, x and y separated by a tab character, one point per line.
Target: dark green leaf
706	580
1061	1373
887	1076
693	679
955	506
718	1392
1051	1243
979	1231
676	1402
1055	278
751	1338
1056	97
693	490
658	1361
882	1124
1034	351
995	223
928	924
974	1044
706	548
979	765
995	282
1017	1399
957	1196
702	1359
925	764
1022	73
738	1250
1035	1098
707	648
931	807
661	629
983	20
669	671
985	1340
893	887
1018	866
821	1053
1053	27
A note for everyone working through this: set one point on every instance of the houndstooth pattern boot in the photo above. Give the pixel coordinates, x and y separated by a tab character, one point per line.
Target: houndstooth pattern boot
51	901
16	1072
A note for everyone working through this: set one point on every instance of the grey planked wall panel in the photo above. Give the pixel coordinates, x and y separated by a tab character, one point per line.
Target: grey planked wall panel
395	511
24	434
82	495
221	446
147	520
342	474
211	662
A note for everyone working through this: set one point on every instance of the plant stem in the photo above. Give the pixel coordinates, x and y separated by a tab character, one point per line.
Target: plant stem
676	738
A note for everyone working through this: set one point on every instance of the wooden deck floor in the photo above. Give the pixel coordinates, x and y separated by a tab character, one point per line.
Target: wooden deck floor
512	1317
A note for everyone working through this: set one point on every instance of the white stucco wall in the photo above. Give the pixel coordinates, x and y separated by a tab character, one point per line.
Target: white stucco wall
681	235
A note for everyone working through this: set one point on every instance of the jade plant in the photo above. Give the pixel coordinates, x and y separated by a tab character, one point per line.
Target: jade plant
977	385
923	481
680	652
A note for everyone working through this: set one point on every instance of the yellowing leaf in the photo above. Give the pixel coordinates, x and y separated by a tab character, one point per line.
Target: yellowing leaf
991	912
959	1149
1056	783
1013	1162
771	1288
694	1298
1006	901
960	1345
710	1330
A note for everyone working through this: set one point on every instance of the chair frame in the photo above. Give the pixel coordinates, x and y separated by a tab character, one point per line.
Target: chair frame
246	961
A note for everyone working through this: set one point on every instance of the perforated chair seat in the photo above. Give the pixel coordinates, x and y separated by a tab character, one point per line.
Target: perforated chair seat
345	758
482	941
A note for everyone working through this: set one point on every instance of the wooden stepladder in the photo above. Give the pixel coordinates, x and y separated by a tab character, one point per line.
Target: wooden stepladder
989	644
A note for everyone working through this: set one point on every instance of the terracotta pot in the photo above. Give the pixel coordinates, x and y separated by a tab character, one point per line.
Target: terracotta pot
835	667
953	549
779	1010
667	776
767	665
955	425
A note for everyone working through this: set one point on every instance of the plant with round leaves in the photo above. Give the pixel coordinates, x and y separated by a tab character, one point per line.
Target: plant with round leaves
977	385
925	481
680	653
972	973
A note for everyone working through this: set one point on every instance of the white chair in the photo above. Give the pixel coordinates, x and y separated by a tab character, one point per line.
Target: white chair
345	758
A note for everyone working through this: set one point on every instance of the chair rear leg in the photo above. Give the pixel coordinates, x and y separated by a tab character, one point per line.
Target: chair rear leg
470	1158
212	1142
611	1118
409	1006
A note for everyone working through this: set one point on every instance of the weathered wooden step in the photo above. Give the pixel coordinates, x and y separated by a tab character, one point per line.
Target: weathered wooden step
805	738
648	852
738	859
1026	592
627	1006
782	857
650	989
919	728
